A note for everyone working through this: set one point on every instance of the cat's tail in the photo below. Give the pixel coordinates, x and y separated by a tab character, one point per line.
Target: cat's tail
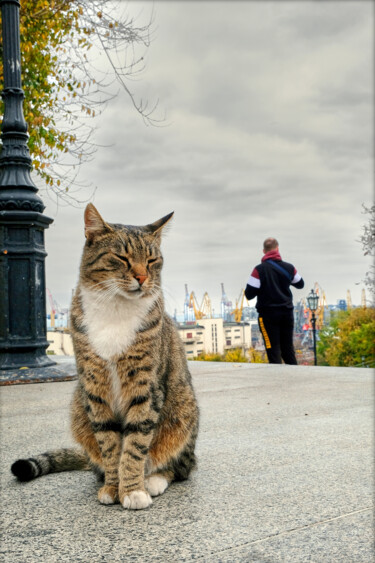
66	459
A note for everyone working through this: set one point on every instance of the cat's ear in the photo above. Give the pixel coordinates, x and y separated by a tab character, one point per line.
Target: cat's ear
94	224
157	227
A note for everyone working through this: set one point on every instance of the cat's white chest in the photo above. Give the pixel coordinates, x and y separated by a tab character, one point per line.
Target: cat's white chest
112	325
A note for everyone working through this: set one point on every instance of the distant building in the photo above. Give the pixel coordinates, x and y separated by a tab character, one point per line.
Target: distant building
237	335
60	342
58	320
214	336
192	336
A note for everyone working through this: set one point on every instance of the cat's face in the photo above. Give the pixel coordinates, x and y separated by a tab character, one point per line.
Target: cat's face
121	260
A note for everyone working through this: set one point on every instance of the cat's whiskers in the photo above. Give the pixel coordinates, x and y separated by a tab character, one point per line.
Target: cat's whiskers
104	282
123	289
164	290
160	291
109	291
156	294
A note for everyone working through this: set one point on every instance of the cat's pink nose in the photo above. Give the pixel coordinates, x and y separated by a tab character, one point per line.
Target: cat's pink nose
140	278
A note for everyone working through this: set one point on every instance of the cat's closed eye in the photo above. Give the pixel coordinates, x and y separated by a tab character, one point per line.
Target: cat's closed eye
123	259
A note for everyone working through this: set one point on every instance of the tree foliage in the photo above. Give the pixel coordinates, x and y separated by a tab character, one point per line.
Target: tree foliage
209	357
63	83
258	356
349	339
235	355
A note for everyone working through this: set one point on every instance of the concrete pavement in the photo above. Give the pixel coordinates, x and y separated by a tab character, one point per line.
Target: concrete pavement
285	475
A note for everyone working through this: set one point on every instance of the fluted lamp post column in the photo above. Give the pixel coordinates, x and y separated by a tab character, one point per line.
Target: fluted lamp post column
23	329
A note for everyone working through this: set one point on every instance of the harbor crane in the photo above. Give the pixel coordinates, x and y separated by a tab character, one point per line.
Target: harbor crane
53	308
322	306
204	310
363	298
237	311
186	304
225	305
348	300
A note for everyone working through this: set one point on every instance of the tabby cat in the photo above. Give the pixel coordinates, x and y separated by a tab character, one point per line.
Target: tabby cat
134	411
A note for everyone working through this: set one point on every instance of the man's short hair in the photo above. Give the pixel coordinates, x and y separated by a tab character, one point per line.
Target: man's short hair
270	244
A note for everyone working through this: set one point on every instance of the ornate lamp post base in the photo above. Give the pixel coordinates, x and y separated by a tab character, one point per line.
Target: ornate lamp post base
23	340
23	327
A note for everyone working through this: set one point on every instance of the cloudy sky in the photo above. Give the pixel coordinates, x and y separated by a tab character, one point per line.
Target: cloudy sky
269	114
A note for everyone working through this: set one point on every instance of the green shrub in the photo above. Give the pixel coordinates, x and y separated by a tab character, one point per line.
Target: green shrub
349	339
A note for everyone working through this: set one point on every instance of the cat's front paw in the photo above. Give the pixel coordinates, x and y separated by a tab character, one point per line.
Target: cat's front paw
136	500
108	495
156	485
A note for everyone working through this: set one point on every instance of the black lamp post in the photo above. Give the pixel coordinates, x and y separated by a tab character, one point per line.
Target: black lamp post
22	275
312	303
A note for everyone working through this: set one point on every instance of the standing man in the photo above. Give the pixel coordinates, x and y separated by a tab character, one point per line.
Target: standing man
269	282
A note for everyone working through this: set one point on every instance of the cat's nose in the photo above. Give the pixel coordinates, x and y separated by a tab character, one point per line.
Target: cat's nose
140	278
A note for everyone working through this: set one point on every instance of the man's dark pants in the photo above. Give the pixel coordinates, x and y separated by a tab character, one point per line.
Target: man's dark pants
277	331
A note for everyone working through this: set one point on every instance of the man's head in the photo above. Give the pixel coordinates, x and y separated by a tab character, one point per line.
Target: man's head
270	244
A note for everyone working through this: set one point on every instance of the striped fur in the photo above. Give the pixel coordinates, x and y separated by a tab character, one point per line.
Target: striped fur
50	462
134	411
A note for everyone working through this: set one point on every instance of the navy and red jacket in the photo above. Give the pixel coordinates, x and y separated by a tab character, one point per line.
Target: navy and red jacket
271	286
